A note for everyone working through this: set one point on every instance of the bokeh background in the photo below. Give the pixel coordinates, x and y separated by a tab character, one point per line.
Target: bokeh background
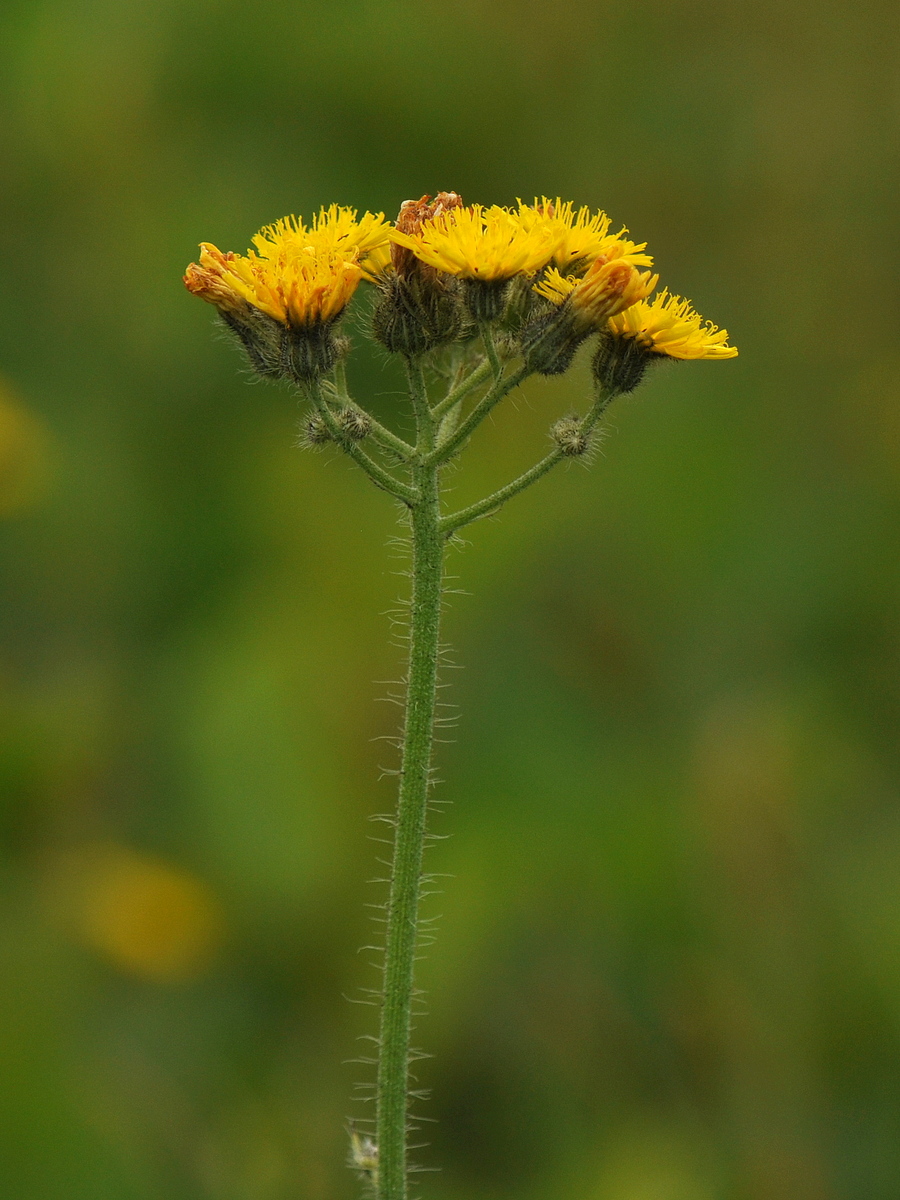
669	962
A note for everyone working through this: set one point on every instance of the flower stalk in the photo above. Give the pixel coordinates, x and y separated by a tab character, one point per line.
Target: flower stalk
451	279
402	927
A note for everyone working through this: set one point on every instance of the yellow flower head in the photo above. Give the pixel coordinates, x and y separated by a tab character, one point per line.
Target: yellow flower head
335	229
293	286
376	262
606	289
487	244
583	236
668	325
298	274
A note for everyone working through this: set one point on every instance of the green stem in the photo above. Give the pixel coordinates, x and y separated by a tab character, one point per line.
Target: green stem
409	836
418	392
449	445
429	534
389	440
379	476
491	350
490	504
462	389
380	433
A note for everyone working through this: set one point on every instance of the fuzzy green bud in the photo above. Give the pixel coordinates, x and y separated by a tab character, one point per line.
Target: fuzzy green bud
316	432
355	423
260	336
310	351
416	313
486	299
569	437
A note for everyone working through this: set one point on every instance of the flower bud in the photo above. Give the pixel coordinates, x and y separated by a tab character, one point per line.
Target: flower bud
316	432
417	312
570	439
355	423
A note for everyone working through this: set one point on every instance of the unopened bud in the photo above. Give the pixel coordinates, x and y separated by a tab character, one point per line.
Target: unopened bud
569	437
316	432
416	313
355	423
364	1155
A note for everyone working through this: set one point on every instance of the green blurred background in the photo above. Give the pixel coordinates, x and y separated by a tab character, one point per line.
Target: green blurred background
669	965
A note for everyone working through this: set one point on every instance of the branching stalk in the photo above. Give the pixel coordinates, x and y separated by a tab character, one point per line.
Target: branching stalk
490	350
379	476
462	389
449	446
483	508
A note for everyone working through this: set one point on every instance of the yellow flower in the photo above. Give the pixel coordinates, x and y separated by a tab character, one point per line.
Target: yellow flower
293	286
376	262
668	325
300	275
487	244
583	236
606	289
144	915
335	229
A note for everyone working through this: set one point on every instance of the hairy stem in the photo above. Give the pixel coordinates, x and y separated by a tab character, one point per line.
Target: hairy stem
490	504
429	534
379	476
409	829
460	390
449	445
490	350
389	440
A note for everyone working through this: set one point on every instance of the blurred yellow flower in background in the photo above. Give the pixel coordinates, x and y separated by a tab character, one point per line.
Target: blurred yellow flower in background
145	916
26	458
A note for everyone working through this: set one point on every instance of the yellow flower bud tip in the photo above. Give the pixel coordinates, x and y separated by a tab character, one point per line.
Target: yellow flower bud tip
606	289
668	326
583	236
210	285
491	244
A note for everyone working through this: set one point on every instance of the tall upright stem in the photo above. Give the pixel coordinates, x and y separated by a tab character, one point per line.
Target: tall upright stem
409	835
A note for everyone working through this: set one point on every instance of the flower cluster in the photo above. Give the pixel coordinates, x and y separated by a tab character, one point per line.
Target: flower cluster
548	275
